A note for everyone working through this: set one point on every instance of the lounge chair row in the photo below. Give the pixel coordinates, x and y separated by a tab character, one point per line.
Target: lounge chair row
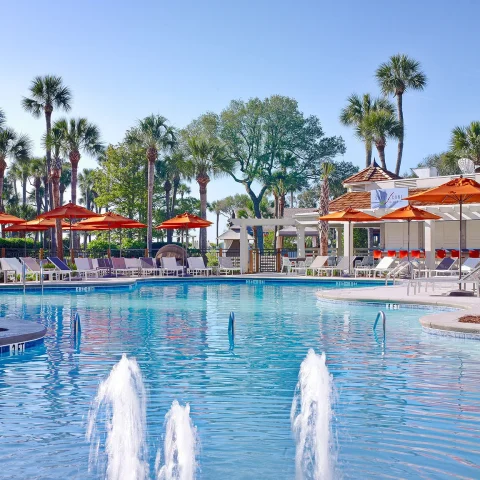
14	268
316	266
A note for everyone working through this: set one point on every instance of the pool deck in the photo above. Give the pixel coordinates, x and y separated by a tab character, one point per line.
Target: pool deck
446	322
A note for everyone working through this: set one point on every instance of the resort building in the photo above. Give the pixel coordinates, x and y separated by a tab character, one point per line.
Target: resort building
377	191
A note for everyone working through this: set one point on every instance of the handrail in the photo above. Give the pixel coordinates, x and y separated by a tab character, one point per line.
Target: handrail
381	315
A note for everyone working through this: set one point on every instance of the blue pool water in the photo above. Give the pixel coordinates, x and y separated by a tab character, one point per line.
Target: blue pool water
411	411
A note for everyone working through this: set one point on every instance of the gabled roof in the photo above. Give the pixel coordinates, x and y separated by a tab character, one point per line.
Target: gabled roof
373	173
361	200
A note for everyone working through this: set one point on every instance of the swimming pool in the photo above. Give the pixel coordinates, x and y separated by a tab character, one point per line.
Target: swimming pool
411	411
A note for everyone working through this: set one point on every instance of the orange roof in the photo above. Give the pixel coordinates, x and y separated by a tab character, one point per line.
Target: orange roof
362	200
373	173
410	213
455	191
349	215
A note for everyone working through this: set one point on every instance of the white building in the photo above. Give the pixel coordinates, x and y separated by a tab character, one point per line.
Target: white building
377	192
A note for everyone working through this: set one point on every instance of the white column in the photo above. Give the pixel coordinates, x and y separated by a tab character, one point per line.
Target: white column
429	239
300	240
243	249
338	240
347	240
382	236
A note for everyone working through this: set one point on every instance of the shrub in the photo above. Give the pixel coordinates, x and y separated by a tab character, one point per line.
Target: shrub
212	259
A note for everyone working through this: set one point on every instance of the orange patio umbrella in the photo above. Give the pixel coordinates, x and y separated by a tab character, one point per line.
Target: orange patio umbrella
109	221
6	218
45	222
349	215
410	213
184	221
455	192
71	211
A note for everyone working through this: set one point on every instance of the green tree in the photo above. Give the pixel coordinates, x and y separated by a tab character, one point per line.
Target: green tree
446	163
21	169
256	136
3	119
153	135
355	112
205	160
12	146
79	135
465	142
119	181
46	94
399	74
380	125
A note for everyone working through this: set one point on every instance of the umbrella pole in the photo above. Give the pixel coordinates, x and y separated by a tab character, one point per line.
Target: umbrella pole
460	247
408	248
350	244
120	242
109	253
71	240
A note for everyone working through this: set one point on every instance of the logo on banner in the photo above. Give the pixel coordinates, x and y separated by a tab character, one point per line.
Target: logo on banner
389	198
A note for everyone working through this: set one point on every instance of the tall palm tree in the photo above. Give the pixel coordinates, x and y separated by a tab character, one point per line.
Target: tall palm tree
357	109
327	170
79	135
13	146
217	207
153	135
65	180
380	125
46	94
395	77
21	170
465	142
205	157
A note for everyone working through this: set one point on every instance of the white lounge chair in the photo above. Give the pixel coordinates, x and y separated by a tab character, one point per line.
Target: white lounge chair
470	264
286	265
148	265
170	265
445	267
226	266
317	264
85	267
133	264
340	267
8	270
384	266
196	266
472	278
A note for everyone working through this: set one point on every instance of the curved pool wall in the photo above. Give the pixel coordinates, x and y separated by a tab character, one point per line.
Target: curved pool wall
408	409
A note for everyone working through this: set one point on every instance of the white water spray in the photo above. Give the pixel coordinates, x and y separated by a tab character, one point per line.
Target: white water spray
310	417
121	404
180	445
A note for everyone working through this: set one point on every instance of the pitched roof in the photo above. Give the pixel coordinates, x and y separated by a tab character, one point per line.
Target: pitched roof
373	173
362	200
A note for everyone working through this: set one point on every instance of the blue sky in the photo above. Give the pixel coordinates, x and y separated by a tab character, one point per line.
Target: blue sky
124	60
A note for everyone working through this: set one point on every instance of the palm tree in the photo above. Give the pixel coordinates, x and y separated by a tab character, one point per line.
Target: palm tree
465	142
86	180
21	170
356	110
54	141
47	93
14	146
205	157
153	135
327	170
3	119
217	207
395	77
79	135
380	125
37	172
65	180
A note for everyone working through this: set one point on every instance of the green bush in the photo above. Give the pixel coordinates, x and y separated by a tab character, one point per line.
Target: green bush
17	243
134	244
99	245
212	259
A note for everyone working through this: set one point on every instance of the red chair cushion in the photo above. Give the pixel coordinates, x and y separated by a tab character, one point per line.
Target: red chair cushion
454	253
392	253
403	254
474	254
415	253
377	254
440	253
